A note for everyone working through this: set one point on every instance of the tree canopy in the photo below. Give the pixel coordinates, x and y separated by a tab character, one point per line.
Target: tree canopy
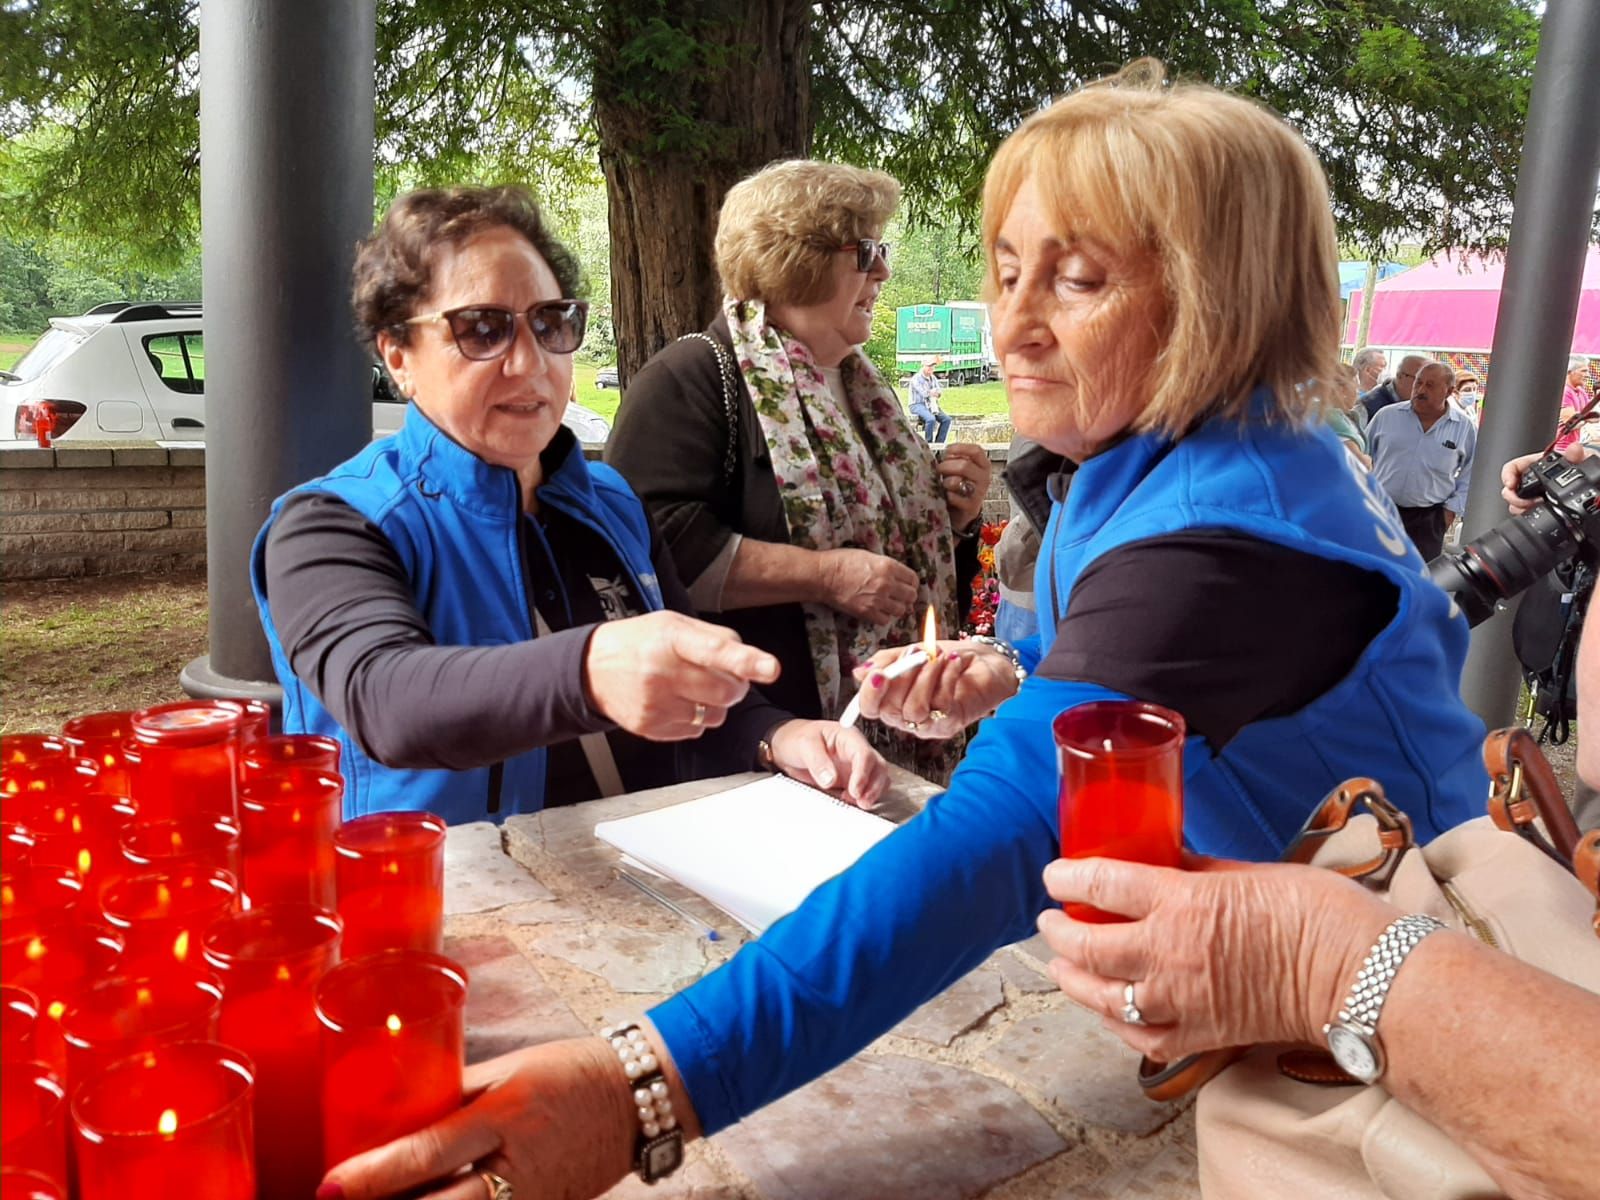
1416	107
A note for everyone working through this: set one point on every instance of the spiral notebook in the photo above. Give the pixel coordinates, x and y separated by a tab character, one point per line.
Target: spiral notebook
755	851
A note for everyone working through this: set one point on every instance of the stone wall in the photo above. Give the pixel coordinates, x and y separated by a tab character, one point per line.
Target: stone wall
141	509
101	510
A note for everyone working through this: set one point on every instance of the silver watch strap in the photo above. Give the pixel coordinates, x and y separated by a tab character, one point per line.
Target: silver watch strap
1365	1001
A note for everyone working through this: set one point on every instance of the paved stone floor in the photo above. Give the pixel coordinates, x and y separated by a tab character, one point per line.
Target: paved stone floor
1000	1088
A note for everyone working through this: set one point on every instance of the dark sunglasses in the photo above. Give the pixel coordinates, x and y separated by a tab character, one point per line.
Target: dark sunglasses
484	331
867	250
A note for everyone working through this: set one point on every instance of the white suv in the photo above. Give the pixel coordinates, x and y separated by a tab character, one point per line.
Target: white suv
137	372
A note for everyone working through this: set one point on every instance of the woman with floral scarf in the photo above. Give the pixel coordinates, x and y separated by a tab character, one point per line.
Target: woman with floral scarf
800	506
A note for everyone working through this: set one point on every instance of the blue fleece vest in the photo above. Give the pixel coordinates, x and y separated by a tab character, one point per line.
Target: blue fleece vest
454	520
1397	717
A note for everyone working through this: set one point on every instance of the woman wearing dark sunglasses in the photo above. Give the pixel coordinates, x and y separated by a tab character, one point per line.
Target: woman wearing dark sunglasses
802	508
488	623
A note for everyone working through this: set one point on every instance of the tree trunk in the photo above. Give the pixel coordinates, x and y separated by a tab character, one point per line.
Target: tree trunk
674	138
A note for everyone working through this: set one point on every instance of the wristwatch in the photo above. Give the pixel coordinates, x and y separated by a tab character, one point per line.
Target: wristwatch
658	1148
1353	1038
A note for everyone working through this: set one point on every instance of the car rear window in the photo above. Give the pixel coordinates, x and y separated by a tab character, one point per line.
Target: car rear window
50	349
179	359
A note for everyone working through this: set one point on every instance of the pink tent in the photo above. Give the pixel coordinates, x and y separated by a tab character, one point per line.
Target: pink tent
1451	303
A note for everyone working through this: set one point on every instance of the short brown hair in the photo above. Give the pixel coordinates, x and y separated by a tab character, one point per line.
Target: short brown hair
779	228
394	264
1234	205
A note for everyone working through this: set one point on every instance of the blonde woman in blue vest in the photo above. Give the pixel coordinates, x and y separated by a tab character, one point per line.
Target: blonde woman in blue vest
1165	302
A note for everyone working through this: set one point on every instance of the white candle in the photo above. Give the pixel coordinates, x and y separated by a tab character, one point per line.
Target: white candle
899	667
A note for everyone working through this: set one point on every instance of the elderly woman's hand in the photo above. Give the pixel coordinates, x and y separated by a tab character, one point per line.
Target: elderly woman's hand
1511	475
552	1120
965	473
828	756
870	587
964	682
668	677
1221	954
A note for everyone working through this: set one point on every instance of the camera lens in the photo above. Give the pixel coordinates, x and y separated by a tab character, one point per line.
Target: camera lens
1504	561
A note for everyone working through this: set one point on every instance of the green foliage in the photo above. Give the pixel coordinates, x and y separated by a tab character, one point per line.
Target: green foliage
1416	107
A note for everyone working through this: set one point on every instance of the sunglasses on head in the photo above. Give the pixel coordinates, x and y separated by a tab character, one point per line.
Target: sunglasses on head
867	250
484	331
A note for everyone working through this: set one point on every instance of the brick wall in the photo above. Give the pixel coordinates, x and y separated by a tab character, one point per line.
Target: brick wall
131	510
102	510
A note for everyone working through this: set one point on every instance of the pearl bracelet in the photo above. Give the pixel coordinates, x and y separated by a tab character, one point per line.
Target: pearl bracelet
651	1097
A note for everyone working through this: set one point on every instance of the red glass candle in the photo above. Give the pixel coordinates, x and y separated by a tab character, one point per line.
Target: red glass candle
33	1120
103	738
1121	786
391	882
18	749
81	831
255	724
51	775
17	1184
121	1017
57	965
168	1122
37	896
392	1048
289	815
188	759
271	960
183	843
309	751
16	845
162	915
19	1024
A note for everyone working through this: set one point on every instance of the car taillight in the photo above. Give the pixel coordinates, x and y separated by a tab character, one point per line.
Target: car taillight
46	419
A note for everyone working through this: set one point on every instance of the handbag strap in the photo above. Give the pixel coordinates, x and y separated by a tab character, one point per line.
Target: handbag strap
596	749
729	375
1168	1081
1524	788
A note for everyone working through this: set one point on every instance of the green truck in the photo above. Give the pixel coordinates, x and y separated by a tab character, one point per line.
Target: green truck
956	334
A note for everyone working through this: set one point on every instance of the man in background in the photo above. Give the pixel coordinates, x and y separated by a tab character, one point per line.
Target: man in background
1422	455
925	391
1396	390
1370	363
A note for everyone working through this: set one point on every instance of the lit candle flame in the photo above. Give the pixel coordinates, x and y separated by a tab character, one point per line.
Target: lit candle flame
282	974
930	635
57	1007
168	1122
143	997
180	946
391	868
84	862
393	1023
35	950
77	823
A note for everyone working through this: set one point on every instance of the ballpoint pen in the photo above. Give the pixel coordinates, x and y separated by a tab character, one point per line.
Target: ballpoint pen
706	931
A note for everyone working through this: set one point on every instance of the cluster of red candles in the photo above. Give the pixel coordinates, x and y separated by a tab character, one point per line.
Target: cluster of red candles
212	987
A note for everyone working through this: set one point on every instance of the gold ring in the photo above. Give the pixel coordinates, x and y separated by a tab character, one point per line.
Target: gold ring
937	714
699	717
499	1189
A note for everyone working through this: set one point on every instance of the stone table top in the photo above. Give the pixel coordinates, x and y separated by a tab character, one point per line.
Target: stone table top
1000	1088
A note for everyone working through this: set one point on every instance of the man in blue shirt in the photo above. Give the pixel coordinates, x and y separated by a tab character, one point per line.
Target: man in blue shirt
1422	455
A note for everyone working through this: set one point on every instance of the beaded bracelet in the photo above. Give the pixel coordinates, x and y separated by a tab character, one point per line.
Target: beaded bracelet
643	1069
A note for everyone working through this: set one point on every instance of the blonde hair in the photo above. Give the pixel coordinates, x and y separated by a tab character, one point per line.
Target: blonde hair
1233	204
779	228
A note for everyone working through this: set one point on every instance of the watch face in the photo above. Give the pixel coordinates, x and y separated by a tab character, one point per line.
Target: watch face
1355	1055
661	1156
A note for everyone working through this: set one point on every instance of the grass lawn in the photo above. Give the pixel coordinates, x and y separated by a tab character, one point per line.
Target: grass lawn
12	347
976	399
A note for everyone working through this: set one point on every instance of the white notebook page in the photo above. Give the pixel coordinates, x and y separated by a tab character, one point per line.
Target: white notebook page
754	851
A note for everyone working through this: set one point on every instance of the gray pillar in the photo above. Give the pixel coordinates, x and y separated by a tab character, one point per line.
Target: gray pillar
286	190
1538	305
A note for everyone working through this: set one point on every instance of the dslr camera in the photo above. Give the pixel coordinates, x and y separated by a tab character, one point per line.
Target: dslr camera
1482	575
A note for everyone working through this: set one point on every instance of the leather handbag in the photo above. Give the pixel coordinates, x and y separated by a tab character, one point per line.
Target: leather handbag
1276	1121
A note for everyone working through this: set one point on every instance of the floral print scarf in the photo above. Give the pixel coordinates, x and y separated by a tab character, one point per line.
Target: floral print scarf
860	478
